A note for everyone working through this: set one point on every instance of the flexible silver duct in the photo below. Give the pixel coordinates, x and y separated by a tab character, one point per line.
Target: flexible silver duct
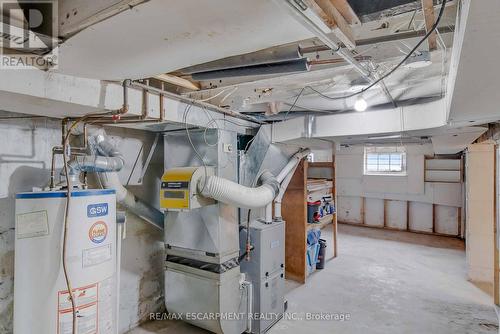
238	195
235	194
96	164
106	163
106	159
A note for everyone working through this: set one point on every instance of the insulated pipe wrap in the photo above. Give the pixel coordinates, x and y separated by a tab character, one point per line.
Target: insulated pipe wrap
109	161
235	194
107	149
96	164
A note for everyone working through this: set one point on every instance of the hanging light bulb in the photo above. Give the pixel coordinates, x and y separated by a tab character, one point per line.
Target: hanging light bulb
360	104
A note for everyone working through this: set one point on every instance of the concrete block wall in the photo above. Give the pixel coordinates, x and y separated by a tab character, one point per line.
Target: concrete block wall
399	202
25	158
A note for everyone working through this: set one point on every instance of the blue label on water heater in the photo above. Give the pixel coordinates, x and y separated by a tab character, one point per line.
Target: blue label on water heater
97	210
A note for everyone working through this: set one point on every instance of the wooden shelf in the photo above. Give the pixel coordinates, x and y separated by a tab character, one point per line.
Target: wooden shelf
321	164
324	221
294	208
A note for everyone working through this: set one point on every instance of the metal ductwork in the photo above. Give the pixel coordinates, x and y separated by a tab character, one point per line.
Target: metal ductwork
289	66
130	201
268	56
107	161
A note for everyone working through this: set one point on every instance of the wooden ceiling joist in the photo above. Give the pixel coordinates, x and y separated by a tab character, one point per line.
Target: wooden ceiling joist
428	9
334	20
181	82
347	12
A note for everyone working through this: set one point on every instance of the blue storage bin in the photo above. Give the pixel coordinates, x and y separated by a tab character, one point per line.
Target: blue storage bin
312	256
313	236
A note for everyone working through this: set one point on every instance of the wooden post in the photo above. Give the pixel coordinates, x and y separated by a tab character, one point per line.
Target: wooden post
428	9
294	208
334	197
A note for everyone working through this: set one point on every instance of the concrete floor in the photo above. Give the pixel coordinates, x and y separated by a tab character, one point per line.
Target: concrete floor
388	282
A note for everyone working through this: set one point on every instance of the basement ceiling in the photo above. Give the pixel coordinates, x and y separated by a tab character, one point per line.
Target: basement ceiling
365	7
380	45
160	36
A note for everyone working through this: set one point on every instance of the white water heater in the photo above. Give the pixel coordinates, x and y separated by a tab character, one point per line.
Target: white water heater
41	298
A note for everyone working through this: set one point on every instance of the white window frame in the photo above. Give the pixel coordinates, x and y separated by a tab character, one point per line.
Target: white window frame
385	150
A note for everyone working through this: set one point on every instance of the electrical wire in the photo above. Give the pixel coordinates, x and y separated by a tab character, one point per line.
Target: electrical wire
213	97
386	75
211	120
66	218
228	94
66	227
184	120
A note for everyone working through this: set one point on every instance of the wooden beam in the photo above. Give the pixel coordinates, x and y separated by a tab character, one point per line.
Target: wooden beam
294	209
335	203
346	10
178	81
428	9
332	18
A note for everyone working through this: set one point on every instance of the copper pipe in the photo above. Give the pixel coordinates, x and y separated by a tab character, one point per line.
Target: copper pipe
127	121
59	150
195	102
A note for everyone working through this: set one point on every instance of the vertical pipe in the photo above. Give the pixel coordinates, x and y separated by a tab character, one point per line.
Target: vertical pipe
119	234
269	213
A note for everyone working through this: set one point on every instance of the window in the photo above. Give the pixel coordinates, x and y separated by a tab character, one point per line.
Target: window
385	161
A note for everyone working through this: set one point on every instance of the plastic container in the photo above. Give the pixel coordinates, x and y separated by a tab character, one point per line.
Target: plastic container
312	257
313	212
313	236
320	262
